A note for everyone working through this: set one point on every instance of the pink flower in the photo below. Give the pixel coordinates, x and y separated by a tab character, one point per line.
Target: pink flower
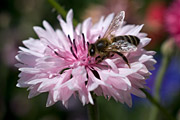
154	19
57	63
172	20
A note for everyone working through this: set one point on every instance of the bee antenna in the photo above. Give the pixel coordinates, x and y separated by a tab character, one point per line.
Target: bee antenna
83	41
69	39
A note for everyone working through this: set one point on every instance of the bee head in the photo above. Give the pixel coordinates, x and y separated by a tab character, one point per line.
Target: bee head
91	50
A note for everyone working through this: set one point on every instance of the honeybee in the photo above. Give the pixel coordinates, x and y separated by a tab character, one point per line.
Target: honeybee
109	43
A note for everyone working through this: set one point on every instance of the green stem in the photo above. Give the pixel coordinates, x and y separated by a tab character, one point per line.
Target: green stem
158	82
93	112
159	79
61	10
158	105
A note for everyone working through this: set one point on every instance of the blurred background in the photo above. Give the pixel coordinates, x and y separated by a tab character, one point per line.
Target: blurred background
17	18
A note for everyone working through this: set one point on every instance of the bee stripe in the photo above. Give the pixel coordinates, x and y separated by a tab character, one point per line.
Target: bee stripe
132	39
127	39
124	38
115	39
136	39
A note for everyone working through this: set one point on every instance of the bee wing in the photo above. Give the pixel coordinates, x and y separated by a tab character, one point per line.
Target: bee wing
121	46
115	24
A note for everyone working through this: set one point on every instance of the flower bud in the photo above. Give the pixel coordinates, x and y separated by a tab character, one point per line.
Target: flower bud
168	46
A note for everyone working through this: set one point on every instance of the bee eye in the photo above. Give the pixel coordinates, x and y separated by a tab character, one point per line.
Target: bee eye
92	50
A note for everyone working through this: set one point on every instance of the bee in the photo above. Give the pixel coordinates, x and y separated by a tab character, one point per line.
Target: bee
109	43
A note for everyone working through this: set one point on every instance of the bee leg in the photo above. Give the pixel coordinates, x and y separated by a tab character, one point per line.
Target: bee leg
112	55
124	58
103	57
100	58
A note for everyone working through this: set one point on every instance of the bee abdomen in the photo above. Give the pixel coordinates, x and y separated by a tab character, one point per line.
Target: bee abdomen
130	38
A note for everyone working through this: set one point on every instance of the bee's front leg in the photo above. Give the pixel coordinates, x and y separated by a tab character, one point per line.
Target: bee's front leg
101	57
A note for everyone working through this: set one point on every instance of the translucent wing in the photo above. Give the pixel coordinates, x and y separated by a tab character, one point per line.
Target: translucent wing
121	46
115	24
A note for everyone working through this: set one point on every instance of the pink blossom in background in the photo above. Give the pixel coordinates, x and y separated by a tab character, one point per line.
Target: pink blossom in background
95	11
57	63
172	20
154	20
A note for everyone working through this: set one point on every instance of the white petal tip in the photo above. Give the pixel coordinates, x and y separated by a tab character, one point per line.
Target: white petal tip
18	85
45	22
59	17
70	10
49	103
35	28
